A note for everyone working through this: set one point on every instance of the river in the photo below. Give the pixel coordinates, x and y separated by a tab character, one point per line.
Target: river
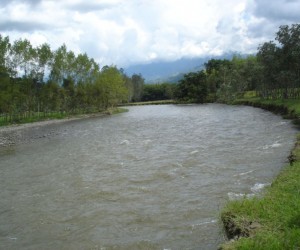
155	177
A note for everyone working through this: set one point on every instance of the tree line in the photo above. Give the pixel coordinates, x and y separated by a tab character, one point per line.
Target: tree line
40	80
273	73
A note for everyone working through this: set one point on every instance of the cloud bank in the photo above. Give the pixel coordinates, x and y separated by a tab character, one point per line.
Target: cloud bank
139	31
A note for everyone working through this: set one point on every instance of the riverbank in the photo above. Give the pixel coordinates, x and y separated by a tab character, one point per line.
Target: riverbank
33	117
273	220
161	102
12	134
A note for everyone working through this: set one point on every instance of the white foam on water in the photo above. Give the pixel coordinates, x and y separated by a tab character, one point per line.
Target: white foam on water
244	173
12	238
125	142
237	196
205	222
211	221
194	152
259	187
274	145
282	123
179	165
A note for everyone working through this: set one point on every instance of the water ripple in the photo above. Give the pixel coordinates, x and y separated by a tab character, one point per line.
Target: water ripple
152	178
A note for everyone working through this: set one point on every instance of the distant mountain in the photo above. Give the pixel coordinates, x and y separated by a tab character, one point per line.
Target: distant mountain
170	71
176	78
163	70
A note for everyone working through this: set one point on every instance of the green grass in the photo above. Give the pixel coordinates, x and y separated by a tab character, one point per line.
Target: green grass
161	102
293	105
35	117
277	213
250	96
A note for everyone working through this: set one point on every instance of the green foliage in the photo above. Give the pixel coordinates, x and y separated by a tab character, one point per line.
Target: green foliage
193	88
138	84
111	87
281	64
222	80
155	92
274	73
159	102
37	80
249	94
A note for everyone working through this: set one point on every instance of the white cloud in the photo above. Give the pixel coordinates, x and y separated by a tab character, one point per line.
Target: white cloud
126	32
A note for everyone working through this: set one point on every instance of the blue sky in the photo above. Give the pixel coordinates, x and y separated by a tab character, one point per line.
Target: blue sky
125	32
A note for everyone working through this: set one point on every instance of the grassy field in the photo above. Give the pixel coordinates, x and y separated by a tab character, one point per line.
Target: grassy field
271	221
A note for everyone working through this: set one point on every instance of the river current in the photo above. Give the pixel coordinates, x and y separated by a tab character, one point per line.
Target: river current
155	177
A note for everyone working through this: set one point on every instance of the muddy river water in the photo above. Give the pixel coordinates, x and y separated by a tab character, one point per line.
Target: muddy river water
155	177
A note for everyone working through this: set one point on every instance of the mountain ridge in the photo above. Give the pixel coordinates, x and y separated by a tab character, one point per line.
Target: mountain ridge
170	71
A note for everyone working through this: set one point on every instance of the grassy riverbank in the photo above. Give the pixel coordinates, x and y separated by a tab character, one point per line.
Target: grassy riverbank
162	102
38	117
273	220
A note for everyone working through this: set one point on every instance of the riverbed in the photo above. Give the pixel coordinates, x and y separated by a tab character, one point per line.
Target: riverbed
152	178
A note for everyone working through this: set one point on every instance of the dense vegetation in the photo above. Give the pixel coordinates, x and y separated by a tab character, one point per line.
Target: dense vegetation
39	82
159	91
273	73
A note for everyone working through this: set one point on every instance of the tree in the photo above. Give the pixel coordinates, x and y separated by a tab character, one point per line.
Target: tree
50	97
5	47
37	79
289	58
44	57
281	64
110	87
59	66
268	56
85	69
23	57
158	91
218	74
193	87
138	84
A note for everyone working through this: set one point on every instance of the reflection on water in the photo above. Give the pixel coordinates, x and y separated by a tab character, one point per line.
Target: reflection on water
153	178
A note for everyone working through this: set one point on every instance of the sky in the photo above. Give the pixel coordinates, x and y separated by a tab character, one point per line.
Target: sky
127	32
